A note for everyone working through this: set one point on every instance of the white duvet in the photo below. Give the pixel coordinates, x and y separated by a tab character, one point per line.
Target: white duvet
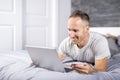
17	66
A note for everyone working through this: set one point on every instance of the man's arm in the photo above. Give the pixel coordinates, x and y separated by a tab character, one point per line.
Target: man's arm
100	65
111	36
61	56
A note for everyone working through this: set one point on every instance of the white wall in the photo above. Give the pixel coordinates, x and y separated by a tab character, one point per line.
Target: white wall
64	8
105	30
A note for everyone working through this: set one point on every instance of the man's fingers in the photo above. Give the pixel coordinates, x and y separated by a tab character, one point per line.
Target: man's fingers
84	68
81	70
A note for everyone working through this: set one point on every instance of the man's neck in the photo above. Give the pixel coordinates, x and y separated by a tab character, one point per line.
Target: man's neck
84	42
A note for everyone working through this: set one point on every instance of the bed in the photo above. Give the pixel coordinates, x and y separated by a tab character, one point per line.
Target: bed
17	66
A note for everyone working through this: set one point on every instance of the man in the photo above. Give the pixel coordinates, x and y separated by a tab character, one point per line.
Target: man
83	45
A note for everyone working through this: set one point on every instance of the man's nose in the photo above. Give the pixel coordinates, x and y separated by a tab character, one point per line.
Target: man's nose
71	34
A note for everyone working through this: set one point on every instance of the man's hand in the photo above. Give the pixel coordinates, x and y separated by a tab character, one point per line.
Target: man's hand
100	65
84	68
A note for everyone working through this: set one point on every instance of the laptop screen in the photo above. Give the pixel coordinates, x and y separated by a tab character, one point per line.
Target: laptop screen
46	58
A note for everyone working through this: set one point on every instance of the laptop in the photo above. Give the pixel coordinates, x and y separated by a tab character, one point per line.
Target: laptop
47	58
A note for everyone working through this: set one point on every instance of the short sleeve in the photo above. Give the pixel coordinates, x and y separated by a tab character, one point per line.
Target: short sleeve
61	48
64	45
101	49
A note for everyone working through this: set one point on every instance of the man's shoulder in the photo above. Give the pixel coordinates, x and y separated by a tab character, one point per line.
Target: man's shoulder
97	36
66	42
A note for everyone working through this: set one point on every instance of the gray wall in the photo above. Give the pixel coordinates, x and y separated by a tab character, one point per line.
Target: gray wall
103	13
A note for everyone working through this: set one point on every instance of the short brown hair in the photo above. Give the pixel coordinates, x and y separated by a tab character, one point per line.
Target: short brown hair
82	15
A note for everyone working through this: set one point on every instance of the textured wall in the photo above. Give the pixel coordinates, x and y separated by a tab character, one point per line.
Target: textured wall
103	13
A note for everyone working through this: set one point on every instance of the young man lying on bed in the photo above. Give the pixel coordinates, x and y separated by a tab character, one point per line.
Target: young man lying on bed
83	45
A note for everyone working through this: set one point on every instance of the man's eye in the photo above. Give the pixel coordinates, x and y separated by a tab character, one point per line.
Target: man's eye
69	30
75	30
72	30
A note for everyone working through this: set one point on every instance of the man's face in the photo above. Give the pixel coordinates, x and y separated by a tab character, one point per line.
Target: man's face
77	29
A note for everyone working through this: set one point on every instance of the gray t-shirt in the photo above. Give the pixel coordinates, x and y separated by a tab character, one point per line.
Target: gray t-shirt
95	49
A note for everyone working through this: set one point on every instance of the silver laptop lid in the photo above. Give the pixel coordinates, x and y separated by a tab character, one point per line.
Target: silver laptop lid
45	58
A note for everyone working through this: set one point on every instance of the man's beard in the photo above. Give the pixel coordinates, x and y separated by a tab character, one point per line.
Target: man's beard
77	40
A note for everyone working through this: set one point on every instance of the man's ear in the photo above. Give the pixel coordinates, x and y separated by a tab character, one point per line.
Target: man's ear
87	28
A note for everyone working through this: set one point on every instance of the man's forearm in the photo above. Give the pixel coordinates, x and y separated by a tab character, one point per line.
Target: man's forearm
94	69
61	56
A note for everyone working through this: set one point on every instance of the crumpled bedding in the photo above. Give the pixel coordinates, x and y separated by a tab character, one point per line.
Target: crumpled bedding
17	66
